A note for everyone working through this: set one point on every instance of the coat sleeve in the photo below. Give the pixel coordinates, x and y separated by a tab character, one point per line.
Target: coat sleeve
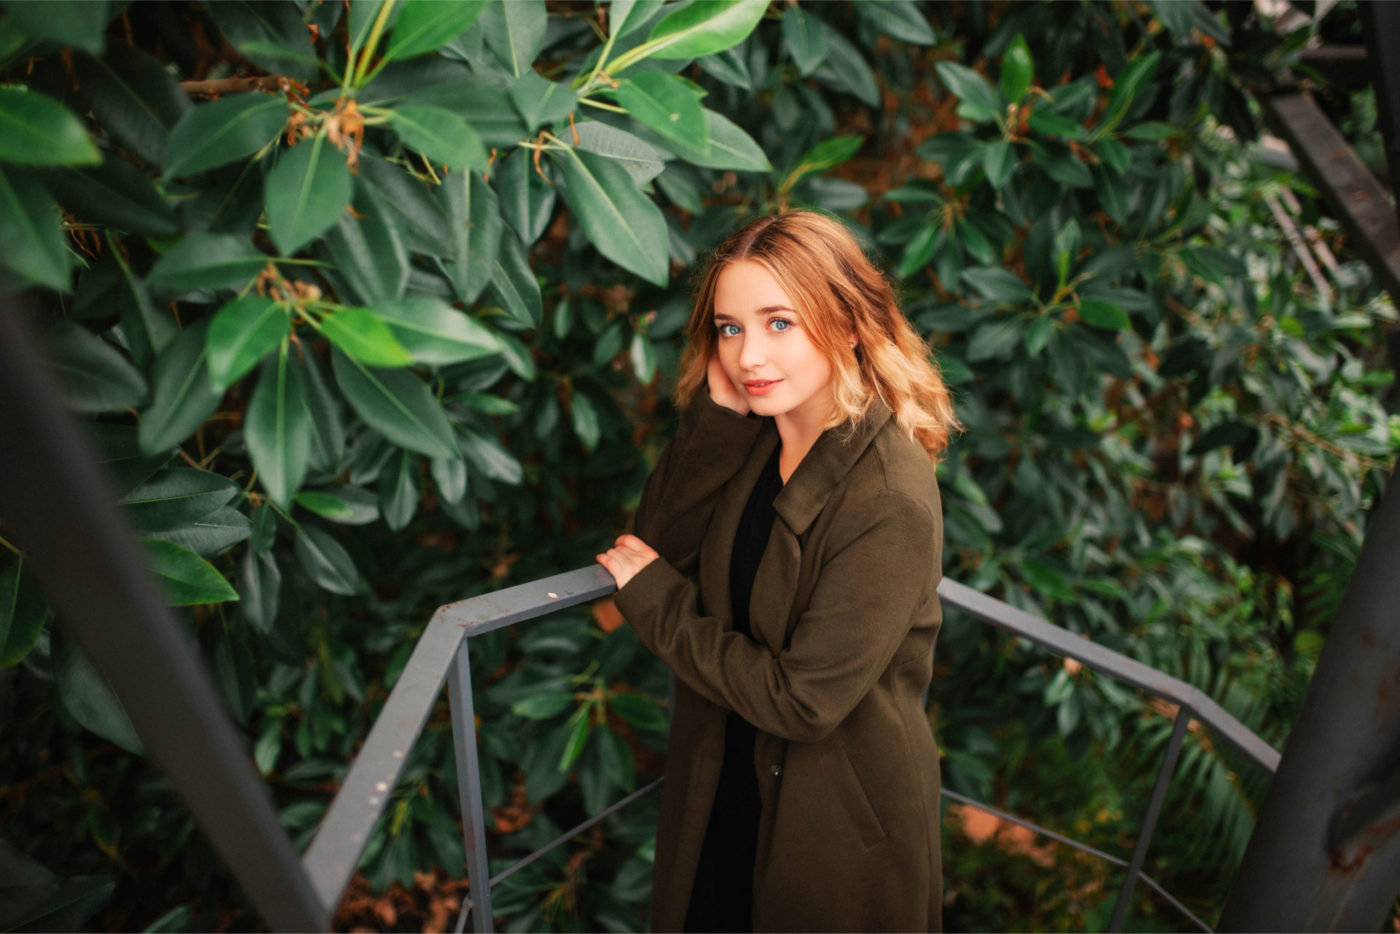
710	446
883	567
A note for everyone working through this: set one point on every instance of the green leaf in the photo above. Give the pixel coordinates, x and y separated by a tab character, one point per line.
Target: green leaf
1103	314
1125	89
326	561
421	221
181	397
640	711
396	404
1047	122
616	758
264	529
624	16
527	200
623	223
975	243
804	40
515	31
38	130
399	490
186	578
440	135
348	505
728	66
730	147
902	19
1038	334
259	589
95	375
368	251
305	193
514	286
87	697
994	339
669	105
518	355
276	430
208	261
323	415
696	29
643	357
1017	69
580	726
22	614
361	334
450	478
998	285
641	159
920	250
175	498
241	334
487	455
134	99
488	111
79	23
272	35
846	69
824	155
32	241
475	214
1113	194
211	534
1151	132
434	332
980	102
226	130
541	101
114	194
585	420
423	25
543	705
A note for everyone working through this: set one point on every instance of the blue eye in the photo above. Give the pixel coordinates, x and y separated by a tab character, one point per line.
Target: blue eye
728	330
781	324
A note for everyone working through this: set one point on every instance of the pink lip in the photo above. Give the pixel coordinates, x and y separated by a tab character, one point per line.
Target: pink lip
760	387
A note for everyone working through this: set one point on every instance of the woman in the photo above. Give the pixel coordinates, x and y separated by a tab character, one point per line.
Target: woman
802	778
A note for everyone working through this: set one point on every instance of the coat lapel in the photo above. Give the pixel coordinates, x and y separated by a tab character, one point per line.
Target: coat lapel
801	500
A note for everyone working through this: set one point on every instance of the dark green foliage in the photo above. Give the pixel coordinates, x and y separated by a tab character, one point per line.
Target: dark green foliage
425	352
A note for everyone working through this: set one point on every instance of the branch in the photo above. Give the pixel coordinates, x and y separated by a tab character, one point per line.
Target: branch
213	87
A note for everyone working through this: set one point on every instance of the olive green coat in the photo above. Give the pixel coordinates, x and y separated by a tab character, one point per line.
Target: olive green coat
844	614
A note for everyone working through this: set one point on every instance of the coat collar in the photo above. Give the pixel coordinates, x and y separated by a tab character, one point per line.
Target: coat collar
825	465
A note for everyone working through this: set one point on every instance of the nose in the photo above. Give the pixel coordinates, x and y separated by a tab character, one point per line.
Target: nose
753	354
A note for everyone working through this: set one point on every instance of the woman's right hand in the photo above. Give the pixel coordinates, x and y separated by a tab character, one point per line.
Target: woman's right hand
722	391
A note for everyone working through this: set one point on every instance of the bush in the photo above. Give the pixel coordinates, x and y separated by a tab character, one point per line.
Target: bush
375	308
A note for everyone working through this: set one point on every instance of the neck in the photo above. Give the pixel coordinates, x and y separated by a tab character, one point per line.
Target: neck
798	434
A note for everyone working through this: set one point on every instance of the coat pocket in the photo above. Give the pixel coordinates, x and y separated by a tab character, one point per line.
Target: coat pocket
854	801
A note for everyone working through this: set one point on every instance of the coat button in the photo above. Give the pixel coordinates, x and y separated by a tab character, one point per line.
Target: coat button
775	770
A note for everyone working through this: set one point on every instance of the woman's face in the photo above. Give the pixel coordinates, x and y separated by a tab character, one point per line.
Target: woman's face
766	349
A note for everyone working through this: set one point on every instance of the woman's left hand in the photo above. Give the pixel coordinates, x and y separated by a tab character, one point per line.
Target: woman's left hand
628	555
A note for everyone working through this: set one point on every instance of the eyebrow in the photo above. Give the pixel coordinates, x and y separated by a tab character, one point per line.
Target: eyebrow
765	310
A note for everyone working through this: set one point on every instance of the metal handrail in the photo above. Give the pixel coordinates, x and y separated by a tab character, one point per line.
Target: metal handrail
442	656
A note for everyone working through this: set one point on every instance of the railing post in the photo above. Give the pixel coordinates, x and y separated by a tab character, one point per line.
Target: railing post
459	699
1149	823
1325	852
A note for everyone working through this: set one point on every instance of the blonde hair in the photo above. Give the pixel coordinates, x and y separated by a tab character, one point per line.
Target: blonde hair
838	292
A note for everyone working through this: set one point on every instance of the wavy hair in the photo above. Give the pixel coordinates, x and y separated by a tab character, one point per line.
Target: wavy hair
839	292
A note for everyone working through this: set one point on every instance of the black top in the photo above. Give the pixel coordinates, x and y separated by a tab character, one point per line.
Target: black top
722	899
